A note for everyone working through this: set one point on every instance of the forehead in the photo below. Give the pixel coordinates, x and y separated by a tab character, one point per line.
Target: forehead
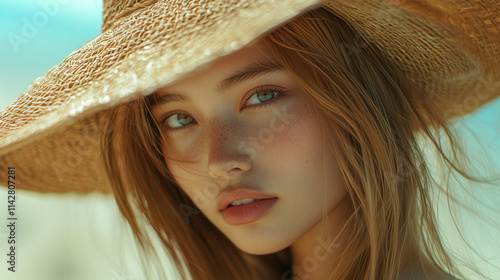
222	68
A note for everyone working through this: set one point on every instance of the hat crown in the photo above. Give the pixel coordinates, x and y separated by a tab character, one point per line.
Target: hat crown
117	9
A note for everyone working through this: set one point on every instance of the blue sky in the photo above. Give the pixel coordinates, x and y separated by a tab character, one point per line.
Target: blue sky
37	35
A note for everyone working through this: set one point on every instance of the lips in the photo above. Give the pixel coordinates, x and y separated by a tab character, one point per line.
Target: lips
248	213
225	198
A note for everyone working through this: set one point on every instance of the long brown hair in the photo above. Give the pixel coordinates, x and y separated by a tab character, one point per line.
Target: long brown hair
364	102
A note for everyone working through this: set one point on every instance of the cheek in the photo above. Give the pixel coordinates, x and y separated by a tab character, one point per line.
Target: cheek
300	160
184	173
188	182
298	143
183	151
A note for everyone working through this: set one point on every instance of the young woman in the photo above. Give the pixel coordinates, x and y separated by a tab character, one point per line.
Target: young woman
269	145
318	139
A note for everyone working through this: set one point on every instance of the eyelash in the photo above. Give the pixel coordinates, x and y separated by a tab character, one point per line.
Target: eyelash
266	103
261	89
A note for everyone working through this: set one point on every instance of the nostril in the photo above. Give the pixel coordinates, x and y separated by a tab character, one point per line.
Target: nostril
225	169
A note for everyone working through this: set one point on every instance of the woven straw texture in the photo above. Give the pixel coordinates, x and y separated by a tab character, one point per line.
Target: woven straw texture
50	134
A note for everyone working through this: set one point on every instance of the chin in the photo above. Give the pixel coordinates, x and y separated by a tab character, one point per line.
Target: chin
262	249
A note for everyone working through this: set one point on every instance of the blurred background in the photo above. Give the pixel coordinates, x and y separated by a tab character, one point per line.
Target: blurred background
58	237
63	237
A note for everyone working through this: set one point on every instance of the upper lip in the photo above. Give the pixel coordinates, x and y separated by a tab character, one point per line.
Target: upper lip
227	197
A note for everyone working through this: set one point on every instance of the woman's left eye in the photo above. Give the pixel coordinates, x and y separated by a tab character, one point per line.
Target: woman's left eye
263	96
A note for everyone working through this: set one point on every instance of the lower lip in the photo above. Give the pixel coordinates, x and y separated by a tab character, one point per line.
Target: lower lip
251	212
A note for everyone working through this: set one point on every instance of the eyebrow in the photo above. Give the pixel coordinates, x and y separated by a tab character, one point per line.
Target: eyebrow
250	71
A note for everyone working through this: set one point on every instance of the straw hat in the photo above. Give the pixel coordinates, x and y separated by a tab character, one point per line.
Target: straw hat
450	48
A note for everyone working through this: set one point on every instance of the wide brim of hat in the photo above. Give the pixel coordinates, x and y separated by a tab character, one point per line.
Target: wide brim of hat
449	48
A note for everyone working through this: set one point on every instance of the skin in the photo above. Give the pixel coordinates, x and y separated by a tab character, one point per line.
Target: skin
220	146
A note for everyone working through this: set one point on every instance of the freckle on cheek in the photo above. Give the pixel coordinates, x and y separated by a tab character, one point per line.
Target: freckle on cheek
299	137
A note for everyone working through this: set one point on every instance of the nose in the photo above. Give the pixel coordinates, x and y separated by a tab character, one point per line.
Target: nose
225	159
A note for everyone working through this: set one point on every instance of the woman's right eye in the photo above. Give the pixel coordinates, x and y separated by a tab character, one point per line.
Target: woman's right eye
178	120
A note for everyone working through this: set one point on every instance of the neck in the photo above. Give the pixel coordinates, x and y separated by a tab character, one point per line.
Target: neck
314	252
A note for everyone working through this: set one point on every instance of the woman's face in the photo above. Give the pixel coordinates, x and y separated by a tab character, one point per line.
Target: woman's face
242	125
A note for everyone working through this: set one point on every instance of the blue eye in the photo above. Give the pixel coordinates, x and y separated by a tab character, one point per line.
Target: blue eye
178	120
263	95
